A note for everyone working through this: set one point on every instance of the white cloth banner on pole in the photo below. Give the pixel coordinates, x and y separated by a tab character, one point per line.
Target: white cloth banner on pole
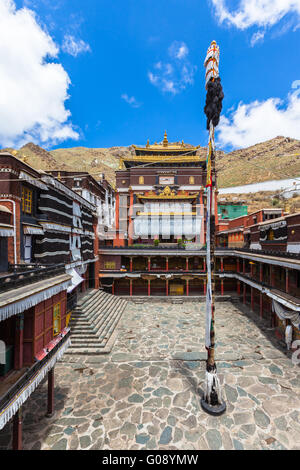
208	268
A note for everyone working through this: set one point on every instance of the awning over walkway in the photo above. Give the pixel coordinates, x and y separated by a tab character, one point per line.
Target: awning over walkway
76	279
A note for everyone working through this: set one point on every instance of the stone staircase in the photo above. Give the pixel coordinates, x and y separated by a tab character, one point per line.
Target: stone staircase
93	323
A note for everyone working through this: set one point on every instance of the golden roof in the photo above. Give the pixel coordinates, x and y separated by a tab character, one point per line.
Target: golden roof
167	193
165	146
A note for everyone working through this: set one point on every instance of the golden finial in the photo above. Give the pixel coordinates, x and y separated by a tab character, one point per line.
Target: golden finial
58	176
121	164
165	141
148	145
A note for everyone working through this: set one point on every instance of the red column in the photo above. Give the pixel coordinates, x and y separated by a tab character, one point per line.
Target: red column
130	287
261	305
244	294
238	287
186	264
272	276
222	287
260	272
204	287
187	287
18	348
130	265
149	264
167	287
238	265
204	264
287	280
50	405
167	264
17	430
222	264
149	287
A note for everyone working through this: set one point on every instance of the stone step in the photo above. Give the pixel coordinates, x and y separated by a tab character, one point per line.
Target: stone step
86	351
101	305
114	305
89	302
93	324
106	321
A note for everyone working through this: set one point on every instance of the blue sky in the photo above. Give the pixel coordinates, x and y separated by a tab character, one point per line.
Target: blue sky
117	72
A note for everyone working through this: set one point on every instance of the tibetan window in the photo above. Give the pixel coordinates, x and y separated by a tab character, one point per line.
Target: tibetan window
56	319
26	200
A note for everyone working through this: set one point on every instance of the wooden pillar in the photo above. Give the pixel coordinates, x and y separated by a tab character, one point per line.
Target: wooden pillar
186	264
244	293
167	287
261	305
238	287
130	287
222	287
149	287
50	404
287	280
238	265
18	348
260	272
222	264
272	276
167	264
204	264
17	430
149	263
130	264
187	287
204	287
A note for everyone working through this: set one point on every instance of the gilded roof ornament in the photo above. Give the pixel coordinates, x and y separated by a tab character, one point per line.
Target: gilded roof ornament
165	141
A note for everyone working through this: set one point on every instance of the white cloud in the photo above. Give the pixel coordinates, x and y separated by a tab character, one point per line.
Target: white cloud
261	120
131	100
74	46
178	50
257	37
263	13
33	90
175	74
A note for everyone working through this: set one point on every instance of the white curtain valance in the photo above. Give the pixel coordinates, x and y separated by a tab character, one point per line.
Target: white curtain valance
5	232
25	176
284	314
31	230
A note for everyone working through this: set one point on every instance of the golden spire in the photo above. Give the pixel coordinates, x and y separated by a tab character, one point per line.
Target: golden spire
58	176
165	141
148	145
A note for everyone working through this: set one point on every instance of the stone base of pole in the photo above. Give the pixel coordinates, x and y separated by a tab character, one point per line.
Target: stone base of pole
212	401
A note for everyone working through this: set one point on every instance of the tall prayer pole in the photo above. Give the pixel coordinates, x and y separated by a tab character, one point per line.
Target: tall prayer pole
212	401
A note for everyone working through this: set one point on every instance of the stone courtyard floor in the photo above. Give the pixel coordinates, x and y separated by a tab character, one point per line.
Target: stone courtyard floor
146	393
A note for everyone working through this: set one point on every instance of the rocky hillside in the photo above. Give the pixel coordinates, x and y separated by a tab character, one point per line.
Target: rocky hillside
277	158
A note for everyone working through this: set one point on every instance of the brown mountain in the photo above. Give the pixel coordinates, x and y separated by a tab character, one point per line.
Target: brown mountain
277	158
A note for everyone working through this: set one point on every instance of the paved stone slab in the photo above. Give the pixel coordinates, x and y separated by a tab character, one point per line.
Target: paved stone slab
146	393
